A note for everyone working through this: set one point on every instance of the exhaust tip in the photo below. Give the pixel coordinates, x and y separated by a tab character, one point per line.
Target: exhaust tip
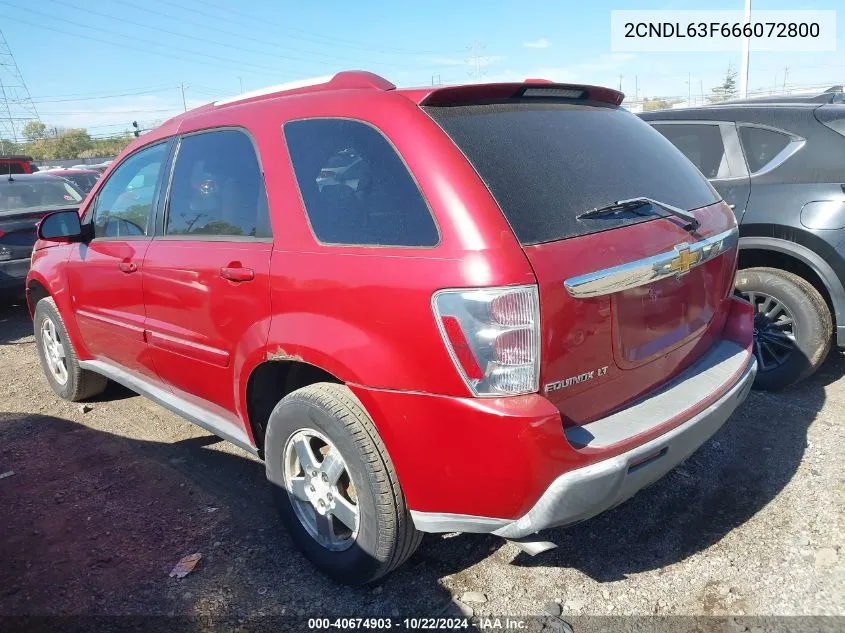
532	547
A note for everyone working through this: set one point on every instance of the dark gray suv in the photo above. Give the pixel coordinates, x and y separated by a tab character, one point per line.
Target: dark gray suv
780	164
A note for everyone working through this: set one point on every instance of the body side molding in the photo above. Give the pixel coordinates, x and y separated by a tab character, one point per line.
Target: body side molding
191	412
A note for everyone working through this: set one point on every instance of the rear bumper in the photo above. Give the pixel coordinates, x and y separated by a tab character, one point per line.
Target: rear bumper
584	492
13	274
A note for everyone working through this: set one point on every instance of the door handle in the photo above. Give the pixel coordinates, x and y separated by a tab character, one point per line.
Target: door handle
233	273
732	206
128	267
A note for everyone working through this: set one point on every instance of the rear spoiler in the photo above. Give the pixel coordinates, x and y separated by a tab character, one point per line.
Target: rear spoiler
532	90
833	116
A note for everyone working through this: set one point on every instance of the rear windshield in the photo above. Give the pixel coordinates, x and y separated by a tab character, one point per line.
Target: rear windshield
49	194
547	163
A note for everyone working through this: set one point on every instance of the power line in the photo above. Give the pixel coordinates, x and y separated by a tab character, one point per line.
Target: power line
110	96
147	41
229	33
204	40
147	51
309	36
100	92
94	112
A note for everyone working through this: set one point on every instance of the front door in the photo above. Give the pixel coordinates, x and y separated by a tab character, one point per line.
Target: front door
206	273
104	273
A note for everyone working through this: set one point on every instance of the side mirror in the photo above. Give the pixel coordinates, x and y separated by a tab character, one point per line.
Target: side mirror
61	226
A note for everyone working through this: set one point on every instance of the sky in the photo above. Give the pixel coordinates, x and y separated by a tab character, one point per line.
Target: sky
102	64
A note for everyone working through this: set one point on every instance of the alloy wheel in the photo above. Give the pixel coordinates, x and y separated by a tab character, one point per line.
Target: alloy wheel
320	489
54	351
774	330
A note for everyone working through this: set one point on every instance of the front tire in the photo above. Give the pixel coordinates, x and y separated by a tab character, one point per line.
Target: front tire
335	485
793	327
58	358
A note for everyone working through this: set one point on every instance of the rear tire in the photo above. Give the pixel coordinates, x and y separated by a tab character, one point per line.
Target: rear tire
810	329
58	358
329	420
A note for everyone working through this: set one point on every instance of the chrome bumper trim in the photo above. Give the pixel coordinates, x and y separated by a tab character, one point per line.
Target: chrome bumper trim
678	261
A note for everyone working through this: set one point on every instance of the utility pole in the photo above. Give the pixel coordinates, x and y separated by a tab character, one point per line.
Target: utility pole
184	103
785	75
701	88
689	89
17	102
743	69
241	84
475	59
620	82
9	112
636	87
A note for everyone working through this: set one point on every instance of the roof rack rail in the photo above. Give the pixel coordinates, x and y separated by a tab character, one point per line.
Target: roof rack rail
345	80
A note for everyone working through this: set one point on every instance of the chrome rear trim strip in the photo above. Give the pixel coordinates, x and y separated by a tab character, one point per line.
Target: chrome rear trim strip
679	261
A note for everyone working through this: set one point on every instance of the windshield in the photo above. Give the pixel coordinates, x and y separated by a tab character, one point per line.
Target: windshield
546	164
37	195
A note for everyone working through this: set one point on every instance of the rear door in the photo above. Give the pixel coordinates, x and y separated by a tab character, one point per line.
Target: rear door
627	299
714	148
206	273
104	275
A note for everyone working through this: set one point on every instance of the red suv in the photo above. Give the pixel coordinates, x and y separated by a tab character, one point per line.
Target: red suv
488	308
17	165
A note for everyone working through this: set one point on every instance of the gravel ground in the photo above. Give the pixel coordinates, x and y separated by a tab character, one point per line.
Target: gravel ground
106	498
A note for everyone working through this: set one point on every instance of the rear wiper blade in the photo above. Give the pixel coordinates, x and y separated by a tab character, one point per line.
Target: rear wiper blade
632	204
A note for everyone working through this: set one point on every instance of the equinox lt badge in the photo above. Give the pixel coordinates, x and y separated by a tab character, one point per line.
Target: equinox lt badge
574	380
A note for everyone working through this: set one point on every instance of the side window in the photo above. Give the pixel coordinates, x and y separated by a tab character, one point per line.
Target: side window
217	188
355	187
125	202
761	145
702	144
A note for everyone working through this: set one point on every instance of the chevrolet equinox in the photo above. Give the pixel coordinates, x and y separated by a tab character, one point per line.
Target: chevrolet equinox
485	308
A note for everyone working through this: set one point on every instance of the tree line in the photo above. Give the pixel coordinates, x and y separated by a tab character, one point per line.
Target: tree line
44	142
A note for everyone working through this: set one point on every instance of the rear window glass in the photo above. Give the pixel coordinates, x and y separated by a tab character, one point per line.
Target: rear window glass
83	182
547	163
50	193
702	144
355	187
761	145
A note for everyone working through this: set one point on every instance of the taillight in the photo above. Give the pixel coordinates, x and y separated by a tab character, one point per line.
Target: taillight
493	336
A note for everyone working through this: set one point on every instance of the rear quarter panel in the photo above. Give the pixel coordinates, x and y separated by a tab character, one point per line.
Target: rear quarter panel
364	313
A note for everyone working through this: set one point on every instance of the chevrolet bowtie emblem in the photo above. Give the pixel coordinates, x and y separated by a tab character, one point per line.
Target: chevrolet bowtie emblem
685	260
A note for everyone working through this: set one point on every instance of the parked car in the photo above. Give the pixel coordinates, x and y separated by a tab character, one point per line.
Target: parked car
100	167
780	163
505	330
82	179
24	200
17	164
